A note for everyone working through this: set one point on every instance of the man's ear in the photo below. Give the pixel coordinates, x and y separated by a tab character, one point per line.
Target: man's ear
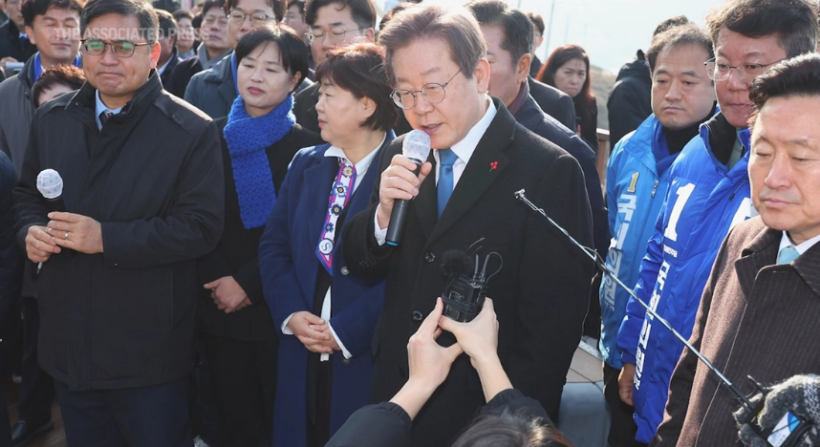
522	68
370	35
30	33
156	49
482	75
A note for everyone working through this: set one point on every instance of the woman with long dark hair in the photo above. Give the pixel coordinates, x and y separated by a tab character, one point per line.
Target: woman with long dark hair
567	69
326	317
259	138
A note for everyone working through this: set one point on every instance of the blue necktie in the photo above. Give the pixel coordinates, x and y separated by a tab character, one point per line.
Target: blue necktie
445	177
787	255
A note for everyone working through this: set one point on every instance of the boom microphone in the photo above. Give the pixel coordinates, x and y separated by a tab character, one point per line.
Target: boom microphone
50	185
416	147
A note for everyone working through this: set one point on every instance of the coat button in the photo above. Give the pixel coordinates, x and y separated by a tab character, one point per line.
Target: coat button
429	257
417	316
345	271
345	361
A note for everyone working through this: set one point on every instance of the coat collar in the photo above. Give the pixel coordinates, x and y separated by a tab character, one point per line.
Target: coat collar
222	75
477	176
761	252
84	100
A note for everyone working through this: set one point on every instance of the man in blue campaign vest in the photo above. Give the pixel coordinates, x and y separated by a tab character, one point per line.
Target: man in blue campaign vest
683	97
708	194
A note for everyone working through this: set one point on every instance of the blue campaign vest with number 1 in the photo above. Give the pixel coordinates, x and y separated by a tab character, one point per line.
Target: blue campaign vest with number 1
704	201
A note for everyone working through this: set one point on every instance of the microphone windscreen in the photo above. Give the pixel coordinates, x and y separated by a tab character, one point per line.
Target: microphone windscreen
456	262
416	146
50	184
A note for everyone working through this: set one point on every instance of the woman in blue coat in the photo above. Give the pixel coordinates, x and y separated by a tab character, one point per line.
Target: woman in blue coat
326	317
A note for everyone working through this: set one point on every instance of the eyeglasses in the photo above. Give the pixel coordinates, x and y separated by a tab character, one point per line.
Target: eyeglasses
718	71
120	48
432	92
210	20
258	18
337	35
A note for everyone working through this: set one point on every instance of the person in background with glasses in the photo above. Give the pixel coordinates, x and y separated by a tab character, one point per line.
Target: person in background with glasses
332	23
708	194
14	43
143	190
436	61
213	91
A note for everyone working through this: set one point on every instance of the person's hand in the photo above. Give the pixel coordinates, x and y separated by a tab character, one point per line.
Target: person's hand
478	338
77	232
625	381
39	245
330	343
311	331
227	294
6	60
399	183
430	362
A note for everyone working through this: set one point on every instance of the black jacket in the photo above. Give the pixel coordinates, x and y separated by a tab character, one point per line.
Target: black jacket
306	115
236	254
535	66
169	70
630	101
388	425
553	102
181	76
12	46
533	118
153	179
540	295
11	257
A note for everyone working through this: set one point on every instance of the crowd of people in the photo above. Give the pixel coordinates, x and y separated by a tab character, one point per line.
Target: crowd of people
198	214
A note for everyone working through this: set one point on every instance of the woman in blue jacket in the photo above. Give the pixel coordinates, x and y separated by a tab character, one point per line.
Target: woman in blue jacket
325	316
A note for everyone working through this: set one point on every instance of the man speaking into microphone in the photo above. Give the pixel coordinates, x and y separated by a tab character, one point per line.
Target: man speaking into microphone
465	192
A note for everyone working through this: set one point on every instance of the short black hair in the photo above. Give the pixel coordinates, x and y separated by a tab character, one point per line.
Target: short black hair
670	23
395	10
537	21
196	22
518	29
292	49
145	14
211	4
689	34
180	14
510	429
167	24
363	12
68	75
299	4
359	69
799	76
34	8
279	7
794	22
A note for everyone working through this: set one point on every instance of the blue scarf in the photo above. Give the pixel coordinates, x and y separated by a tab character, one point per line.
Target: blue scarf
38	65
247	140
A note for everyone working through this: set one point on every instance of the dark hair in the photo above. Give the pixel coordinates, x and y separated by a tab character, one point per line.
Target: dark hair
145	14
362	11
68	75
670	23
180	14
196	22
509	429
799	76
689	34
396	9
278	6
518	30
537	21
292	50
211	4
794	22
299	4
455	26
34	8
584	101
167	24
359	69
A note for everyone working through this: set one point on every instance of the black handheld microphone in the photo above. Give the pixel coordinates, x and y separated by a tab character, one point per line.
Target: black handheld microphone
416	147
50	185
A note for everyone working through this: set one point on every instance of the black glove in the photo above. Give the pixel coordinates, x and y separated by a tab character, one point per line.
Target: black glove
799	394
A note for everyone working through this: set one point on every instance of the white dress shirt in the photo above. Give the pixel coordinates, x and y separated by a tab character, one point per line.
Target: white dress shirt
361	170
102	108
786	241
463	149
